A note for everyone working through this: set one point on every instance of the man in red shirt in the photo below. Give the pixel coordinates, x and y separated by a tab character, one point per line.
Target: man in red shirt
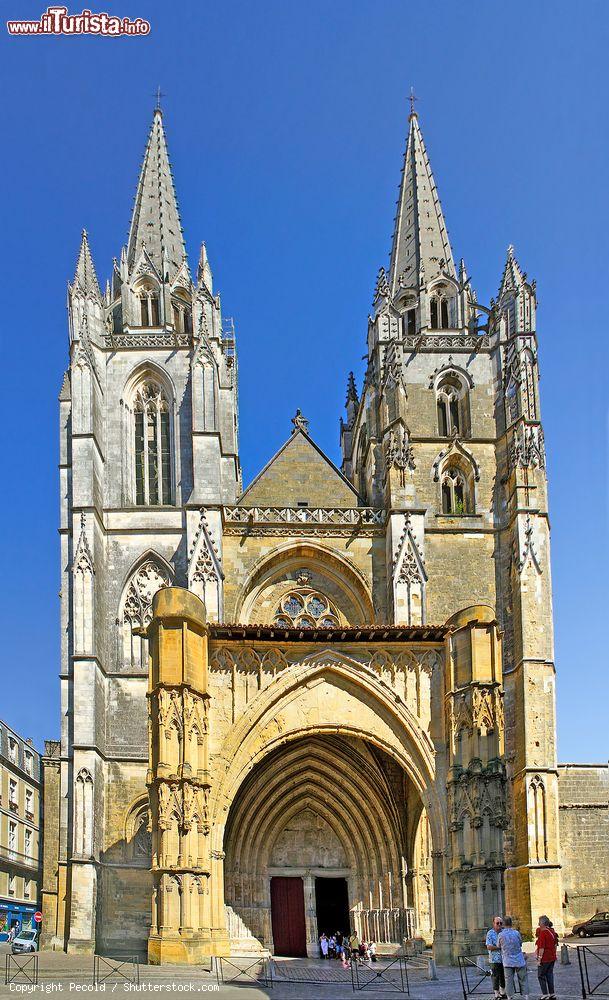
546	940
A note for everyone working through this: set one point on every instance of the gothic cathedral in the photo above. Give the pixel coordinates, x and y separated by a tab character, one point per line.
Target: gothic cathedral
227	651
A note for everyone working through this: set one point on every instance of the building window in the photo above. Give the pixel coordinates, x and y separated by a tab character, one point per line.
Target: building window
28	843
28	762
440	313
410	322
149	309
511	400
455	493
12	840
12	749
29	805
12	795
152	445
27	888
305	608
452	401
11	885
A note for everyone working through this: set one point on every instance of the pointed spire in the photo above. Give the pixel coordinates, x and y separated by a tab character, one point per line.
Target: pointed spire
85	277
512	277
421	248
155	223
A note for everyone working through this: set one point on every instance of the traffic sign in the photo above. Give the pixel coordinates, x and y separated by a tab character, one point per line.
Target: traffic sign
38	917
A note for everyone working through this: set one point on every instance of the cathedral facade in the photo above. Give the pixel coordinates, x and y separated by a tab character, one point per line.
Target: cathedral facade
349	715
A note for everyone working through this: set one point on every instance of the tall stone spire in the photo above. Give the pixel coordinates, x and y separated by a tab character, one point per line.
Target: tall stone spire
85	278
155	224
421	248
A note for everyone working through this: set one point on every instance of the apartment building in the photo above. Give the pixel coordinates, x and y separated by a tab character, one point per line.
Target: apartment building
20	832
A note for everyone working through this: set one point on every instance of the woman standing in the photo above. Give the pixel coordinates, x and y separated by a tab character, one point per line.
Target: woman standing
546	940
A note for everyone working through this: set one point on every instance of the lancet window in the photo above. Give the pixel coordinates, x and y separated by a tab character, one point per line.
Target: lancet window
456	492
152	445
452	402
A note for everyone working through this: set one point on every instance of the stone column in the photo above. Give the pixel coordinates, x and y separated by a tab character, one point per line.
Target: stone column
177	695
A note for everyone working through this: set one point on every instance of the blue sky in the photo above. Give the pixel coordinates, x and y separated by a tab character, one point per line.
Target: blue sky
286	125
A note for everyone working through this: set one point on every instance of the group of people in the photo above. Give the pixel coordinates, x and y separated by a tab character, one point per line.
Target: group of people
347	948
508	961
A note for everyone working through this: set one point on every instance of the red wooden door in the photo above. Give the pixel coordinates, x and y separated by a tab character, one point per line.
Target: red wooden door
288	917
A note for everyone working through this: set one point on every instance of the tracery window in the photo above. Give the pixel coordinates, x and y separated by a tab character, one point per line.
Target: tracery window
455	492
152	445
452	406
305	608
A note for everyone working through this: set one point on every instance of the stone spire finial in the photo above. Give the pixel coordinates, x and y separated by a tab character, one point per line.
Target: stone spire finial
85	277
300	423
420	239
156	218
512	274
352	396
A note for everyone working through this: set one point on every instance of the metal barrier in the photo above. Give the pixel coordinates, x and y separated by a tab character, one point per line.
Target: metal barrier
386	975
305	973
475	978
248	969
117	970
21	969
593	970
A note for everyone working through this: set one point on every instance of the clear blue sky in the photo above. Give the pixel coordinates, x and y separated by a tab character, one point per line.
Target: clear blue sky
286	125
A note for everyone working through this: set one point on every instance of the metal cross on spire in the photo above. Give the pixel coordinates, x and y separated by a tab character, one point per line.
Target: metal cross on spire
158	95
413	97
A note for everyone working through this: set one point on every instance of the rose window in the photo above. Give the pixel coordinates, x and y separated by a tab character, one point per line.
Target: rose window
305	608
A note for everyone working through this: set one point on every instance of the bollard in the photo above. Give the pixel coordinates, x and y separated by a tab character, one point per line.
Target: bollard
564	955
433	972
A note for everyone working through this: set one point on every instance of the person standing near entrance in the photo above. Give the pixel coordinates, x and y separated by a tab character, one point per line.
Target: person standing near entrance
324	945
514	961
494	954
354	946
545	946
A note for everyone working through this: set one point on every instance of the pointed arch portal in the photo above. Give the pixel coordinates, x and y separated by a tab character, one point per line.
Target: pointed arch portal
324	831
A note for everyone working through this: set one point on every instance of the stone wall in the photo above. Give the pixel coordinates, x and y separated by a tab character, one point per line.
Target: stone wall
583	805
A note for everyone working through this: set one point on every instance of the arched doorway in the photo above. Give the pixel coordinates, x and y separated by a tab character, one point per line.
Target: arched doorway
322	837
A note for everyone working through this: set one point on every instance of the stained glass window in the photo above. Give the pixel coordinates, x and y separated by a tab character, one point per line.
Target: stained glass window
305	608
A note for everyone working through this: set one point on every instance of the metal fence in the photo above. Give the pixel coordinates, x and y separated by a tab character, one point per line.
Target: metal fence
593	970
245	970
475	975
21	969
386	975
116	970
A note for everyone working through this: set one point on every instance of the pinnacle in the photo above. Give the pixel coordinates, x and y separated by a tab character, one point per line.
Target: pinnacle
512	274
85	277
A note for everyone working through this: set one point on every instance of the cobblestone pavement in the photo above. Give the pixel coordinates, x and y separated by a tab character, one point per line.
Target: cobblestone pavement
72	975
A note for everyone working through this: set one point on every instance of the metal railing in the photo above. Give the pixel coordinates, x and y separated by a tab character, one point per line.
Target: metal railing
593	970
21	969
116	970
246	970
475	972
389	974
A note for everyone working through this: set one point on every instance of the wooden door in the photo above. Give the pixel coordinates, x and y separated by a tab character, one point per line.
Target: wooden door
288	917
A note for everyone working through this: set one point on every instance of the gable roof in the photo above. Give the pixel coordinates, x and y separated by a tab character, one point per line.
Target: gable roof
300	473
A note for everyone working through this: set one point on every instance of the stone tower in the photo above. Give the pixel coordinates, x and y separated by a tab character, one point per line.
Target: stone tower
148	438
447	437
